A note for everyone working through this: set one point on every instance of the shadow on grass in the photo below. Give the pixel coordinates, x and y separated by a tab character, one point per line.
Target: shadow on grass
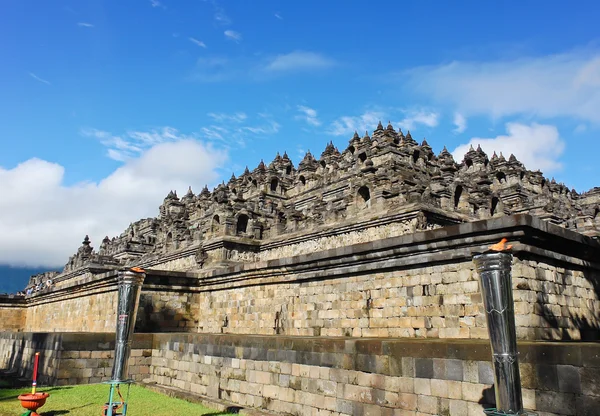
229	411
14	396
218	414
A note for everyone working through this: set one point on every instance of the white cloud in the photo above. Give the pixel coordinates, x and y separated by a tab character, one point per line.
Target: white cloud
346	125
537	146
233	35
84	24
47	220
156	3
34	76
277	15
235	117
197	42
308	115
299	61
561	85
460	122
413	118
580	128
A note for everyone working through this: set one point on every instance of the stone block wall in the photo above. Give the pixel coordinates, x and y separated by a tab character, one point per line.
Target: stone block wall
81	311
12	313
430	301
70	358
337	376
417	285
552	301
167	304
555	301
318	375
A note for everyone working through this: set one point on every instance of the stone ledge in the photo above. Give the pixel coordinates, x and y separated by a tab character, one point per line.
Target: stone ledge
555	241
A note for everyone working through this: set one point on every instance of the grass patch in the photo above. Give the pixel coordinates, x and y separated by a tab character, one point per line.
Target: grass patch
87	400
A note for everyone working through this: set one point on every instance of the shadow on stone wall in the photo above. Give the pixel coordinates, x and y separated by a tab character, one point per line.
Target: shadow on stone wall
488	398
151	318
20	363
588	330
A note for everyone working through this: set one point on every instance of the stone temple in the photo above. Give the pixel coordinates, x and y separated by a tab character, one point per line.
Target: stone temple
345	282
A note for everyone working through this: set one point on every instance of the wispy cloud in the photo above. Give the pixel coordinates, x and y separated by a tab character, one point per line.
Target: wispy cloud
220	16
346	125
412	118
34	76
309	115
84	24
210	69
132	143
197	42
277	15
271	127
233	130
233	35
460	122
562	85
214	69
409	119
537	146
156	3
299	61
222	117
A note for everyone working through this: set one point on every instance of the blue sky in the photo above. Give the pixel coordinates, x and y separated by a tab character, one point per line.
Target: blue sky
107	105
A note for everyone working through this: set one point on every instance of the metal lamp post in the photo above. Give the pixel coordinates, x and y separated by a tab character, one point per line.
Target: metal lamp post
494	269
130	285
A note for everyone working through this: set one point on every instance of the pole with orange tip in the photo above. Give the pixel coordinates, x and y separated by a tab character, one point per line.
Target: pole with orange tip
35	370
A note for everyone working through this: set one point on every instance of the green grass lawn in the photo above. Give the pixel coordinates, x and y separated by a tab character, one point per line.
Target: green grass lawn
87	400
